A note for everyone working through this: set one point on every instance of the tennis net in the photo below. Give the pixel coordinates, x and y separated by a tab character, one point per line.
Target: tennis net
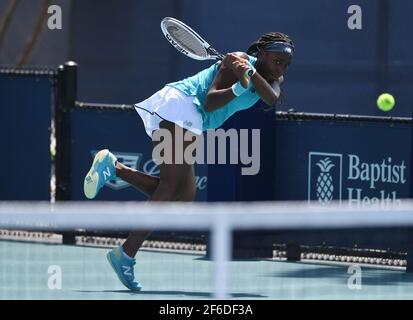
311	245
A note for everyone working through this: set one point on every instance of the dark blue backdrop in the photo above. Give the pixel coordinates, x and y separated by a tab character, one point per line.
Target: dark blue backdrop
300	145
25	113
124	57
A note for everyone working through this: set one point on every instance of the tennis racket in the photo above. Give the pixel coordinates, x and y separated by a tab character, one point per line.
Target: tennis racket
188	42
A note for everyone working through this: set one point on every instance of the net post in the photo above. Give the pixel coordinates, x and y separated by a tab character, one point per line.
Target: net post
67	94
65	103
293	252
221	255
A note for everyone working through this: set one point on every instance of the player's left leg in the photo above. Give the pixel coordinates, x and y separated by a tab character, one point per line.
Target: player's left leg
143	182
103	169
177	181
189	189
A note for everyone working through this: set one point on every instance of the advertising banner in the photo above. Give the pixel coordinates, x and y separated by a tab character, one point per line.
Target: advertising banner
25	113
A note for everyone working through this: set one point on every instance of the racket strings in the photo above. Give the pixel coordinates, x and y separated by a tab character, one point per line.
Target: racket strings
186	40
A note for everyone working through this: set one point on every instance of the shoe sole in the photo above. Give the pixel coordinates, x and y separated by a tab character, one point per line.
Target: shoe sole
91	182
120	279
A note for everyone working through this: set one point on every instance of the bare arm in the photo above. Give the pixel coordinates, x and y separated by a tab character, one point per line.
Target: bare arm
269	93
220	92
232	69
276	86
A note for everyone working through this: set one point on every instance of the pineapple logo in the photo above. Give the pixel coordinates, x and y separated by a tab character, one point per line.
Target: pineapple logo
325	171
325	187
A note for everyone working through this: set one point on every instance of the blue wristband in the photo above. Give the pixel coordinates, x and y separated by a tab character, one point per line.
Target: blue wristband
238	89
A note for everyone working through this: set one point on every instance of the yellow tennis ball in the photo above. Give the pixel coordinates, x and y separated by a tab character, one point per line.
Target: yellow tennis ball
385	102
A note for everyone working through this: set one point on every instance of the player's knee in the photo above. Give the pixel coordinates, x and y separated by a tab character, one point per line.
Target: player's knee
170	189
189	194
192	196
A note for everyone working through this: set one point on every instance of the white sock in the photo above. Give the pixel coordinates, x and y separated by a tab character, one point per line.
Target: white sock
125	255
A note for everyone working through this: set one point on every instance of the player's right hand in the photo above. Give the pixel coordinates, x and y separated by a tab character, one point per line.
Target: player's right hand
239	66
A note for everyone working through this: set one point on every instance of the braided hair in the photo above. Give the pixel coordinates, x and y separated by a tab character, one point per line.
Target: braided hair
265	39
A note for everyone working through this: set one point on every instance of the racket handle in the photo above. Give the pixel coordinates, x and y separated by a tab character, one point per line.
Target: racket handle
251	71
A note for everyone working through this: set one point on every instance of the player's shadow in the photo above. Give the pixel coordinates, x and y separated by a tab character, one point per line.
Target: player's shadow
174	293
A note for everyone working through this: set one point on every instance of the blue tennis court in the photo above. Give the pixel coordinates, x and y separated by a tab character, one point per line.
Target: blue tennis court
26	270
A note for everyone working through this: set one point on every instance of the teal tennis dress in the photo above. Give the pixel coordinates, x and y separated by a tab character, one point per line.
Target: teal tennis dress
183	102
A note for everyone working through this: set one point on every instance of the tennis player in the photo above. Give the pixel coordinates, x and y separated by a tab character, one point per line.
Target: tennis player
198	103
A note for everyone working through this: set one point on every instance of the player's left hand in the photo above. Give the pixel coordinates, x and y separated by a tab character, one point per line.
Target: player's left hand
239	66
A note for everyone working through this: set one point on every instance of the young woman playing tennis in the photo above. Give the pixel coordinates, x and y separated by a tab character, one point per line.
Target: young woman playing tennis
203	101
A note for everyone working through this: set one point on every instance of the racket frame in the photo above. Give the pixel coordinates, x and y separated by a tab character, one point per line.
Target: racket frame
212	54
